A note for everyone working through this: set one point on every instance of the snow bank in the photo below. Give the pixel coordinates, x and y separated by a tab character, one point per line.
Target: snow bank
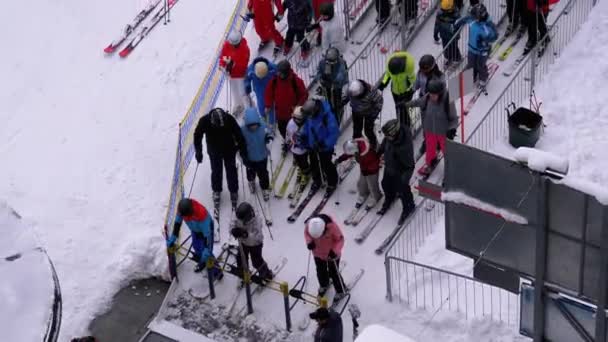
376	333
462	198
540	161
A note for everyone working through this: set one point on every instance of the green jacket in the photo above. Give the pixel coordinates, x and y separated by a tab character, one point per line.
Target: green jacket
403	82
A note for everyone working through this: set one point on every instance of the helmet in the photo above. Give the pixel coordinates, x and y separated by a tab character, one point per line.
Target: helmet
298	115
234	38
479	12
426	63
447	5
327	9
396	65
316	227
356	88
218	117
391	128
310	107
332	55
261	69
245	212
350	147
283	69
435	86
184	207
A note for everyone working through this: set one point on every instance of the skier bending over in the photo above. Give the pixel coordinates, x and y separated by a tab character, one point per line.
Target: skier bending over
369	163
398	151
259	73
333	76
329	325
319	136
264	22
366	104
224	138
201	228
256	138
233	61
299	13
246	227
325	240
300	155
401	73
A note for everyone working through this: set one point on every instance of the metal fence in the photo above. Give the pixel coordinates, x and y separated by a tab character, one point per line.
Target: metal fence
354	11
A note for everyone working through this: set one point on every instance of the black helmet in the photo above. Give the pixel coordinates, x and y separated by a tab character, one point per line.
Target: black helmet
218	117
283	69
311	107
327	9
332	55
391	128
396	65
184	207
427	63
245	212
435	86
479	12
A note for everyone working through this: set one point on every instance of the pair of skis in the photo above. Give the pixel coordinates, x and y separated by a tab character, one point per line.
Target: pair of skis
492	68
283	189
131	27
359	212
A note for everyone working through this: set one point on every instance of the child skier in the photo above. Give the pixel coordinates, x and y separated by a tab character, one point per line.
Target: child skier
246	227
299	13
300	155
224	138
445	29
333	76
401	73
332	32
259	73
233	60
428	70
264	22
199	221
324	239
256	137
369	163
366	104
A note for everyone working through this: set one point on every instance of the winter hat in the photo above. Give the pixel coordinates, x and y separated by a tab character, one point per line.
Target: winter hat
355	88
435	86
261	69
316	227
234	38
185	207
447	5
320	314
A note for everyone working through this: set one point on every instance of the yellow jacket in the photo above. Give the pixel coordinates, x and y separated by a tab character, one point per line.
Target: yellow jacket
403	82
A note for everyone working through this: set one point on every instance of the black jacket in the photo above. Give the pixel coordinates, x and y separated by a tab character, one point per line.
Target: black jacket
224	140
332	330
398	155
299	13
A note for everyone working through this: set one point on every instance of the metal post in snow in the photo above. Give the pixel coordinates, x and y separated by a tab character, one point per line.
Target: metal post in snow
387	267
285	291
403	25
461	86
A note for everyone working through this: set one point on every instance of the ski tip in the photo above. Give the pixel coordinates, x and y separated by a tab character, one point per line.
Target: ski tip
378	251
109	49
125	52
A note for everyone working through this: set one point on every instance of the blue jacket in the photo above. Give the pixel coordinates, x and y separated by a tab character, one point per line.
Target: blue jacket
258	85
204	226
254	140
321	131
336	76
481	35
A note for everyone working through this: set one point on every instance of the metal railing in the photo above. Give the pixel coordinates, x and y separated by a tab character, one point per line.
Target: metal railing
354	11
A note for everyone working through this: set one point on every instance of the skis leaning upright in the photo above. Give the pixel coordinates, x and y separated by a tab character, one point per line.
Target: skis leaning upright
139	18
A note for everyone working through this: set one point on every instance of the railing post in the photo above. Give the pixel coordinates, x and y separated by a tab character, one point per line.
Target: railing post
533	59
285	291
210	265
345	12
387	267
403	25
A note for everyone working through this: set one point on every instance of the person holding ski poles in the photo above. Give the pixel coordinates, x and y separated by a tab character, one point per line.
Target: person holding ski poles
256	138
366	103
332	74
325	240
233	61
445	29
300	155
247	228
264	22
537	12
329	325
259	74
200	223
401	73
224	138
299	14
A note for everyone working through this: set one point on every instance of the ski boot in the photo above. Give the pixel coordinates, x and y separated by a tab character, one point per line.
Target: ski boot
529	46
284	149
385	207
262	45
360	201
277	50
234	198
425	171
216	198
510	29
252	187
286	50
372	202
266	195
322	291
407	211
338	297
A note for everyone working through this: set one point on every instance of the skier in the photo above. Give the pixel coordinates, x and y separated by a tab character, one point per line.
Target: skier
284	92
316	10
439	120
329	325
299	13
200	223
537	12
411	12
233	61
516	12
224	138
369	163
383	9
332	31
333	76
264	22
366	104
246	227
482	33
259	73
428	70
325	241
319	136
398	151
445	29
300	155
256	137
401	73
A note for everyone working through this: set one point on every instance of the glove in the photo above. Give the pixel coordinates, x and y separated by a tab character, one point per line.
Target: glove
332	255
278	17
199	156
239	233
451	134
311	245
229	66
249	16
171	241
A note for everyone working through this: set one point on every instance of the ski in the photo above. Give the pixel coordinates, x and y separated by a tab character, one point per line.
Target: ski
498	44
384	245
260	286
299	191
505	54
311	193
353	213
130	28
361	215
509	71
285	185
361	237
216	216
346	171
349	287
277	170
322	204
491	70
158	16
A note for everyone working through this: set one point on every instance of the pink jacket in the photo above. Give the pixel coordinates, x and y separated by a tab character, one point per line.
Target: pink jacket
331	240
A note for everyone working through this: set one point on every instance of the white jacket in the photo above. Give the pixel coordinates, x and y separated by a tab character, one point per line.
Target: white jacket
333	34
292	138
254	228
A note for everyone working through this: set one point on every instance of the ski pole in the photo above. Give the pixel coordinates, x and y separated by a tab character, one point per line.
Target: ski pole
193	178
338	190
168	12
307	271
165	3
340	277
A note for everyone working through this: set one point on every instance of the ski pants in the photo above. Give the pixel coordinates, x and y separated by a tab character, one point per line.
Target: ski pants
365	123
282	126
257	260
394	187
267	31
258	168
432	140
327	269
334	97
411	9
479	65
238	96
299	35
302	162
403	114
368	186
323	166
537	27
452	52
199	244
516	12
383	8
218	163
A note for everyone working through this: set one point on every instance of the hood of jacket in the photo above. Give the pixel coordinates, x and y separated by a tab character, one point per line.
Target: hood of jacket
252	117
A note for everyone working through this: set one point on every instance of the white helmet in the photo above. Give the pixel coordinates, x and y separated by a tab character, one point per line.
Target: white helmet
261	69
234	38
316	227
355	88
350	147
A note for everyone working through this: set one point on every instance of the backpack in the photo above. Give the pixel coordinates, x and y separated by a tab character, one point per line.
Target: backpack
293	84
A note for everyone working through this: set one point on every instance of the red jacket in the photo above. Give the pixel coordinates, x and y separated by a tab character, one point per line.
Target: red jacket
263	12
239	56
368	159
545	8
285	95
331	240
